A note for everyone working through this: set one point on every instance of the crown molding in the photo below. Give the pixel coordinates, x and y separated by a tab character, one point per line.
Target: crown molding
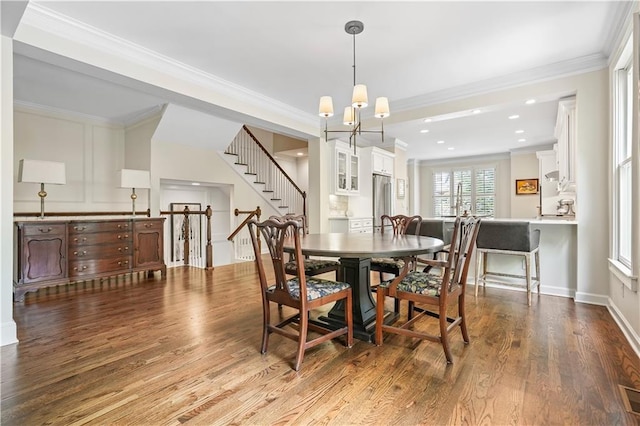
620	24
64	114
475	159
534	75
49	21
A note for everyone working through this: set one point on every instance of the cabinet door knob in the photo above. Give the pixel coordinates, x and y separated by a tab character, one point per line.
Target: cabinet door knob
83	239
148	225
126	262
80	253
44	230
82	268
123	236
79	228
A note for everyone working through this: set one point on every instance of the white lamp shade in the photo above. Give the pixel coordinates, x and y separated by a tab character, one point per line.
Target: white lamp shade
326	107
382	107
134	178
359	98
36	171
349	117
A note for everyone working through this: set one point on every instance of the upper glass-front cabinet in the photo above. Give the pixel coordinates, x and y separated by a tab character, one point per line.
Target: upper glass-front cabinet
346	170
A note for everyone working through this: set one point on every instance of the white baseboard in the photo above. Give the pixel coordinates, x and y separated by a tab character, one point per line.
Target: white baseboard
627	330
8	333
546	290
592	299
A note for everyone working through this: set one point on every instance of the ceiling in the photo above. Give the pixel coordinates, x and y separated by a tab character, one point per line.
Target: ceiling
415	53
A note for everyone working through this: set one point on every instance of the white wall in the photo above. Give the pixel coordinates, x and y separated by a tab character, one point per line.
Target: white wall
8	332
93	152
524	166
624	304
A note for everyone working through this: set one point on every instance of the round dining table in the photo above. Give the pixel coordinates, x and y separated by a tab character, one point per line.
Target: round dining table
355	252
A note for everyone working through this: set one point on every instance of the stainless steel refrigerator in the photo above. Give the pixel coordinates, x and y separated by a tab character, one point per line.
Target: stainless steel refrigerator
382	196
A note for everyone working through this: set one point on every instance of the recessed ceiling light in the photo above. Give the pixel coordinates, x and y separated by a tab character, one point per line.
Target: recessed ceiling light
451	148
300	154
530	101
519	131
440	142
522	140
424	131
514	116
476	111
427	120
195	183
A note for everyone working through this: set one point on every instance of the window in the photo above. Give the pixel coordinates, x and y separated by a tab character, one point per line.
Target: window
622	157
473	190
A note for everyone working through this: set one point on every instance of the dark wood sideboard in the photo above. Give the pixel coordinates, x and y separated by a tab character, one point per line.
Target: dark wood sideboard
50	253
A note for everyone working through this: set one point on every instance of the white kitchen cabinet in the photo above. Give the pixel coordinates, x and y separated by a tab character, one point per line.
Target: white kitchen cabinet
351	224
565	132
382	162
346	170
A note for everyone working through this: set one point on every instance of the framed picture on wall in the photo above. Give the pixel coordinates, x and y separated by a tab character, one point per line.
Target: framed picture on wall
179	232
527	186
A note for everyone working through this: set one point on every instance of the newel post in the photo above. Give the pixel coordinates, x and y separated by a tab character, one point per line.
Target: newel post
209	260
186	232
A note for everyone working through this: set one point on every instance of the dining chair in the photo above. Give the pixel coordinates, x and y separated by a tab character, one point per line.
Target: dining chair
399	224
312	267
430	294
301	293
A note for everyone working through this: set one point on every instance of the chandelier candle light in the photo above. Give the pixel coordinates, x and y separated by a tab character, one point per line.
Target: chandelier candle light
359	100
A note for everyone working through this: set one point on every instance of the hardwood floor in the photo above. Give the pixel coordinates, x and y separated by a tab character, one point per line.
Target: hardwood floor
186	349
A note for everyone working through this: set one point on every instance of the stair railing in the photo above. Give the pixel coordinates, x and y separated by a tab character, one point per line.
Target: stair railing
193	255
240	236
268	172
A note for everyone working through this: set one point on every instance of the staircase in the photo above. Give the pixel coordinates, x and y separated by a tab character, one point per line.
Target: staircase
258	167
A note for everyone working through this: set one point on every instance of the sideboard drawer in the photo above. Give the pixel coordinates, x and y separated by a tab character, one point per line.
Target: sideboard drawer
90	227
33	229
99	238
99	266
99	251
147	225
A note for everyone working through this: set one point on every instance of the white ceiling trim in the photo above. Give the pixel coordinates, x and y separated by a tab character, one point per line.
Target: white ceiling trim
535	75
61	113
47	20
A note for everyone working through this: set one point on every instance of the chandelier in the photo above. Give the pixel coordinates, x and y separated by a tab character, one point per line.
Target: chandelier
359	100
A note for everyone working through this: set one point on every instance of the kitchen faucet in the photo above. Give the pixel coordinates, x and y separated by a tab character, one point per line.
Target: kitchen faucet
458	199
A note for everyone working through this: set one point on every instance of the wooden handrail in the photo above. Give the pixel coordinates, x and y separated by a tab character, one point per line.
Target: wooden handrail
257	212
146	213
264	150
208	212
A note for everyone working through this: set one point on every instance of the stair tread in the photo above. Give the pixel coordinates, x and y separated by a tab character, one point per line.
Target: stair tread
241	164
266	190
230	153
249	173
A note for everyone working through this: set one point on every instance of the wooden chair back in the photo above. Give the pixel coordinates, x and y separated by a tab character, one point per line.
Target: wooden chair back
463	240
274	232
401	223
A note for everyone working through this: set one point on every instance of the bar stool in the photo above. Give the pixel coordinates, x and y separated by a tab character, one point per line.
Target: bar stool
508	238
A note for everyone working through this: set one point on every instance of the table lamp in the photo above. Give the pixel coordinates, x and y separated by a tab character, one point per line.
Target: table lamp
134	179
36	171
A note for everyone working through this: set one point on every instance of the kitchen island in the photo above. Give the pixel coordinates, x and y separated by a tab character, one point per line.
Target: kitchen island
558	256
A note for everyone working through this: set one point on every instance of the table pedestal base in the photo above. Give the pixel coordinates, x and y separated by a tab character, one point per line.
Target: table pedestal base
356	272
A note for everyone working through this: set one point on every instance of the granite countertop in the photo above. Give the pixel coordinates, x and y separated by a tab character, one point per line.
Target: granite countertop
546	220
